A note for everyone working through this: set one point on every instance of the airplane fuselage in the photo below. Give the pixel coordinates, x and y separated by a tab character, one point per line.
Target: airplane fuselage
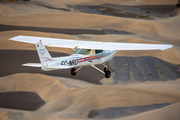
79	60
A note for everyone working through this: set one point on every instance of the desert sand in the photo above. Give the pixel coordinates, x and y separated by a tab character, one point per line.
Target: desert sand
143	85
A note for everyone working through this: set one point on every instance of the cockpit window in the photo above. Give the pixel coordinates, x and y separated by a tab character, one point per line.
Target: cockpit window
82	51
98	51
77	50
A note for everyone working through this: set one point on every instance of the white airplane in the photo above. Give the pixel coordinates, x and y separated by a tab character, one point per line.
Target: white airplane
87	53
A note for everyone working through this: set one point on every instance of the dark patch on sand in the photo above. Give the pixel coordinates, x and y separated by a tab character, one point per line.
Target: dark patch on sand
21	100
12	60
50	30
117	112
118	12
63	31
12	1
144	68
33	2
160	9
111	31
137	12
84	9
50	7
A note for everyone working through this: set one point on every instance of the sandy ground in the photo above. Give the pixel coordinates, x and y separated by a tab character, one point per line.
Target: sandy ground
143	85
63	102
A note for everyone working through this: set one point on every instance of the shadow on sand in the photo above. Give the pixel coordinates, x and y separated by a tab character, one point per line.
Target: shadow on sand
21	100
116	112
50	30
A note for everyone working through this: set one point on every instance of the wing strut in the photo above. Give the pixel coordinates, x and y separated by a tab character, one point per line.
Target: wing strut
111	55
77	45
97	69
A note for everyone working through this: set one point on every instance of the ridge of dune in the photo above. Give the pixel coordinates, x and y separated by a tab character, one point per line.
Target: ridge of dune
77	102
155	30
146	29
25	9
31	82
170	112
109	1
57	3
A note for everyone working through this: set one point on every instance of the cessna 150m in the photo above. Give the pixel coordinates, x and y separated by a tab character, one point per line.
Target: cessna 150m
87	53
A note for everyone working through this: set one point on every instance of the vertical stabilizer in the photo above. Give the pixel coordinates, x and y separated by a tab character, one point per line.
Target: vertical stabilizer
43	54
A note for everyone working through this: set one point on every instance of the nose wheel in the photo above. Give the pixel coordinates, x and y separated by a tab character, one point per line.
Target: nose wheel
73	72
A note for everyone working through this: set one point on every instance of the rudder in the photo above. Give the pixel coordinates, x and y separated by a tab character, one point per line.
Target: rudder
43	54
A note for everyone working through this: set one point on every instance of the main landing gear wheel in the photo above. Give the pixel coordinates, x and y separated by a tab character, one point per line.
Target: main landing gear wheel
73	72
107	74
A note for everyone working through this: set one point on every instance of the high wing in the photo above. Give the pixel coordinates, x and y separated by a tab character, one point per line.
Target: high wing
66	43
52	42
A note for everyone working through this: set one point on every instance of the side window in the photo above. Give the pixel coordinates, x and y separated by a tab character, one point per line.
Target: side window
82	51
98	51
86	51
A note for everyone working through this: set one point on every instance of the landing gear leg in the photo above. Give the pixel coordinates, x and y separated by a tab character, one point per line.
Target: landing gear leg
106	71
105	67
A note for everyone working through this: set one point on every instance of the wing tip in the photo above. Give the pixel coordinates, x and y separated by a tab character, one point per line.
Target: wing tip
14	38
167	47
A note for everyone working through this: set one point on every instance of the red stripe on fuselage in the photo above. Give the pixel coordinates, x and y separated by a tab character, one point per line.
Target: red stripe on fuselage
90	58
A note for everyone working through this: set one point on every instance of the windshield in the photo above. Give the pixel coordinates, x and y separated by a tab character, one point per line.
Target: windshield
82	51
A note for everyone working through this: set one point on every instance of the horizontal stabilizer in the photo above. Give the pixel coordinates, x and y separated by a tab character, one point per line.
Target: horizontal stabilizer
50	67
59	67
32	64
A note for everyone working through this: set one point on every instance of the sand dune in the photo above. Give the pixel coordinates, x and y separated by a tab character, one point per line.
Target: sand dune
65	102
149	30
166	113
130	94
56	3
